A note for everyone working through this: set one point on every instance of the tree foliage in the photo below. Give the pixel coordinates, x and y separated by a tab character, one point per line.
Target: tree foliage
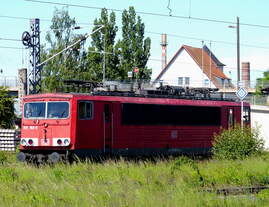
102	51
105	53
65	66
262	82
7	114
135	49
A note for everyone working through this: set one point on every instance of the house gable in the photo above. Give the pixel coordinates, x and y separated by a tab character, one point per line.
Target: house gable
183	67
206	68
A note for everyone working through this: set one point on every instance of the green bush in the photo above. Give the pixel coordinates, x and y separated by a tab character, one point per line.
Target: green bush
3	157
7	114
237	143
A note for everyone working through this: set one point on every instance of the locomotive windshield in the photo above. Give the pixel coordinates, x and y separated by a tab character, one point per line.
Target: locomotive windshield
46	110
35	110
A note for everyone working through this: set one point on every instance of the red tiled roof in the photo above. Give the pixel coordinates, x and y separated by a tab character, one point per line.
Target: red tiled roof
202	59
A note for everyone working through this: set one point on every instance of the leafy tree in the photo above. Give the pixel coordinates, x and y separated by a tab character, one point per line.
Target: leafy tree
135	49
132	51
76	63
7	114
262	83
68	65
103	45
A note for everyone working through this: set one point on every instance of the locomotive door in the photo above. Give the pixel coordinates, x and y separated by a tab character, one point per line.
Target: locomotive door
108	128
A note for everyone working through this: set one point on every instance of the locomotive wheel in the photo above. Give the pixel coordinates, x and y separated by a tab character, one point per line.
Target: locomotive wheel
21	157
54	157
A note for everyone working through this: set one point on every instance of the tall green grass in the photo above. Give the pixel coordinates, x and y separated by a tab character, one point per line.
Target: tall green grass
174	182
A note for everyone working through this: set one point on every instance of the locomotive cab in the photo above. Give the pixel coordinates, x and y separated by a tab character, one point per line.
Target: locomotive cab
46	127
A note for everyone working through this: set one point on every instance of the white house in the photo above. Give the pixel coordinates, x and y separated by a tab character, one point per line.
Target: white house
260	119
194	67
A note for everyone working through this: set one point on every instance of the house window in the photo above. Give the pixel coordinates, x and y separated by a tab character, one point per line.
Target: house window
206	82
187	81
183	81
180	81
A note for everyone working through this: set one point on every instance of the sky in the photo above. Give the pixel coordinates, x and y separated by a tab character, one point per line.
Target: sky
172	19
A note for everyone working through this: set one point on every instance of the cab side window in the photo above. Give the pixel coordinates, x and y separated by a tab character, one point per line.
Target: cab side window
85	110
230	117
246	114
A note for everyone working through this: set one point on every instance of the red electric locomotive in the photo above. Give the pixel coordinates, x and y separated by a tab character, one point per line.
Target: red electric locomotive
56	126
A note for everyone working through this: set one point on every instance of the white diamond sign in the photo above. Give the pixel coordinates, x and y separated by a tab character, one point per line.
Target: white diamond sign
241	93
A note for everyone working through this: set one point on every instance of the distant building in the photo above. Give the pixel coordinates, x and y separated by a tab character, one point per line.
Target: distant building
194	67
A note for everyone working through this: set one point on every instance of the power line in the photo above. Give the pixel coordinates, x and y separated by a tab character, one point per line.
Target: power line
207	40
152	14
158	33
21	18
149	32
188	63
9	39
16	48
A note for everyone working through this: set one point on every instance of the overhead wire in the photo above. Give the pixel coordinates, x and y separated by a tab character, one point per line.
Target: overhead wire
150	32
9	39
145	13
15	48
168	7
151	13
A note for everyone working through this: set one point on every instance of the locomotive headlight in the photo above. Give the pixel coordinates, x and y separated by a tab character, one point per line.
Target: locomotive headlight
30	142
59	142
23	142
66	142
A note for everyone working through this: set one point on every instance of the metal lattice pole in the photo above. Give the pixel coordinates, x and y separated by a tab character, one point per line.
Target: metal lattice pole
35	70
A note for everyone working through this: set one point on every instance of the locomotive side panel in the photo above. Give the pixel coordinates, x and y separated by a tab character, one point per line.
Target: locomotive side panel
148	128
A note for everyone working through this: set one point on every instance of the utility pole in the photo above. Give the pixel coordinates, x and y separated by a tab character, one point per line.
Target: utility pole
238	49
238	52
104	60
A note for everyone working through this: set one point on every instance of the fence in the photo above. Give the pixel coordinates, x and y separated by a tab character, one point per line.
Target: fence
8	81
259	100
8	139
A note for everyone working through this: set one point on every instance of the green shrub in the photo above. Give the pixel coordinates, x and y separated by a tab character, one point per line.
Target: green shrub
3	157
237	143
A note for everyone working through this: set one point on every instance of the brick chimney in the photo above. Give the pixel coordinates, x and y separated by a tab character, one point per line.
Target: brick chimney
246	74
164	48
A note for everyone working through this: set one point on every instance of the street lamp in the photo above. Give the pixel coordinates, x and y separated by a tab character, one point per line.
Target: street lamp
238	49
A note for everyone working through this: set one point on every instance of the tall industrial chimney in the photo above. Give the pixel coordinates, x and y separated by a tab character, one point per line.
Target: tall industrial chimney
246	74
164	47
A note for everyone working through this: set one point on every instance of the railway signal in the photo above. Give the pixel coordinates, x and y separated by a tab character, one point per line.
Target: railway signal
32	41
241	94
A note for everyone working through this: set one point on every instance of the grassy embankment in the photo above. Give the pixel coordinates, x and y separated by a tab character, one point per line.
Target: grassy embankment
176	182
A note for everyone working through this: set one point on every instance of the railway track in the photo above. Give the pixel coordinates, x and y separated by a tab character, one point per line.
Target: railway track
236	190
